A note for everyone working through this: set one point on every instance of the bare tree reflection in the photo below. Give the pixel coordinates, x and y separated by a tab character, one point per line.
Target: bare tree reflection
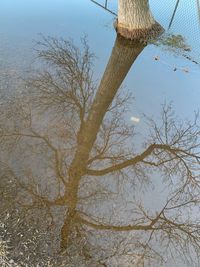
71	154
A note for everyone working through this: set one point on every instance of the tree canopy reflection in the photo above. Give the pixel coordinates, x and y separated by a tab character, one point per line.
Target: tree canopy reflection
71	167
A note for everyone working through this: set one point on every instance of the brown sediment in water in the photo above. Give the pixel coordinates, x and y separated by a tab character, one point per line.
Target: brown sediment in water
139	35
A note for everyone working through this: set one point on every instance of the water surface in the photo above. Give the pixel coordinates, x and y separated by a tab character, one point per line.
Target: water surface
36	158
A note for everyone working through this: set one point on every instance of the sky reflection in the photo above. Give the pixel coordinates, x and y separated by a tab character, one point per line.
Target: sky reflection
153	82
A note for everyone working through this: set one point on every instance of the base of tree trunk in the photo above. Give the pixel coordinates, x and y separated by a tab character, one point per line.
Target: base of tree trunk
140	35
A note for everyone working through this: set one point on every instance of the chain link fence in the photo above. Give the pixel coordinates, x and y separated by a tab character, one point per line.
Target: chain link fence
178	17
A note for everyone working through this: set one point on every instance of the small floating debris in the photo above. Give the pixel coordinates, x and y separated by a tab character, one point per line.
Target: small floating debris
135	119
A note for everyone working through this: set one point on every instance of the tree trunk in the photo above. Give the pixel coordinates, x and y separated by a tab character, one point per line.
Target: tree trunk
135	21
123	55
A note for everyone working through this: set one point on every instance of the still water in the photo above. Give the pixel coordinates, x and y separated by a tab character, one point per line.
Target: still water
120	190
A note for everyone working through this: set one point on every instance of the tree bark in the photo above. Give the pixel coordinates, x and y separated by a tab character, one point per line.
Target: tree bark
123	55
135	21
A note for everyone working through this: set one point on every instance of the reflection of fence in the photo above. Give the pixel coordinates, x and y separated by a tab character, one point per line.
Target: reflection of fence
174	13
176	8
104	6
